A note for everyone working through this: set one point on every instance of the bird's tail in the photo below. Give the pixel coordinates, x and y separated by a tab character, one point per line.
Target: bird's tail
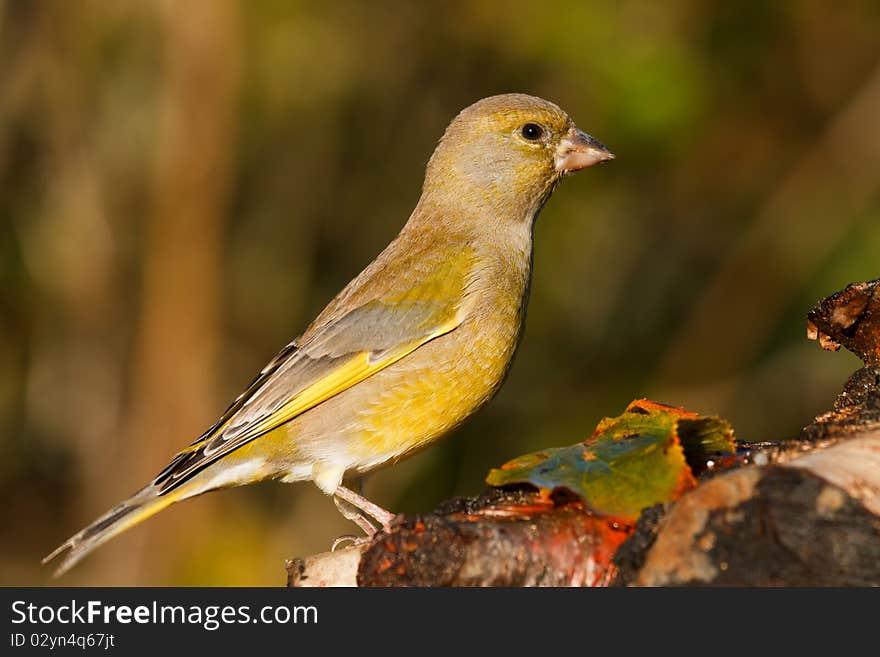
137	508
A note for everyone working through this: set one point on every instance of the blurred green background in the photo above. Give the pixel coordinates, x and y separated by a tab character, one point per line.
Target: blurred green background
184	185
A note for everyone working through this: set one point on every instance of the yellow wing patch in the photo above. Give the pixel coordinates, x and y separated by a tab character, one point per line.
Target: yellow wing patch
358	368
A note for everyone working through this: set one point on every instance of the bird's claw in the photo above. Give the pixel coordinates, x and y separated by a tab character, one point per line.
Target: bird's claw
349	538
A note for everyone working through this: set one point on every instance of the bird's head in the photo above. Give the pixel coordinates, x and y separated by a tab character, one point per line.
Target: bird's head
508	152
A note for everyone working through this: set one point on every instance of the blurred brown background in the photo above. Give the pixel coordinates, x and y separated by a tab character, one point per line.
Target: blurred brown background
184	185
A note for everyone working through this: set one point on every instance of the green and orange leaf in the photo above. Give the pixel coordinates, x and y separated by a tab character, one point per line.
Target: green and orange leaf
633	461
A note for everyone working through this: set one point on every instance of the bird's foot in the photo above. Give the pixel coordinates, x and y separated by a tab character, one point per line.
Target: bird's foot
383	517
368	528
351	539
351	512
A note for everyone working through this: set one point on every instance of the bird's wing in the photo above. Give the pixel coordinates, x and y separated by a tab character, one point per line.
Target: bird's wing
330	359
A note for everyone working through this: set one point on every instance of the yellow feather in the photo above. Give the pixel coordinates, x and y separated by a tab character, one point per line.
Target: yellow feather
345	376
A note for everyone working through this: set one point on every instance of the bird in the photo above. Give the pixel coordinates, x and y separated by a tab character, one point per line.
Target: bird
415	344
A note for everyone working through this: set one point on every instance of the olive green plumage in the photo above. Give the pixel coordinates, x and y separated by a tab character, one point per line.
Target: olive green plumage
414	345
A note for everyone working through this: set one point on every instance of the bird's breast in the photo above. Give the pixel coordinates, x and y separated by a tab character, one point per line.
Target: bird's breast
434	389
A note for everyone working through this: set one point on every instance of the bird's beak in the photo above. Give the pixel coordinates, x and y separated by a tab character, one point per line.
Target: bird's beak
577	150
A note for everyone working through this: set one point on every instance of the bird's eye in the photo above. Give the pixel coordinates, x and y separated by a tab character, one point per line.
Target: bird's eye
532	131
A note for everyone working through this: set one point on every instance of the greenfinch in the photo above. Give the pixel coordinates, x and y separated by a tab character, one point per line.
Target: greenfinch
415	344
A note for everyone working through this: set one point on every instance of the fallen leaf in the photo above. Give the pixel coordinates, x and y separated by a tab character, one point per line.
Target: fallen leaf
643	457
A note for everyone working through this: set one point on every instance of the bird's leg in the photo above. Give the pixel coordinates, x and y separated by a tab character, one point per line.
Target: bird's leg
363	504
354	513
350	512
